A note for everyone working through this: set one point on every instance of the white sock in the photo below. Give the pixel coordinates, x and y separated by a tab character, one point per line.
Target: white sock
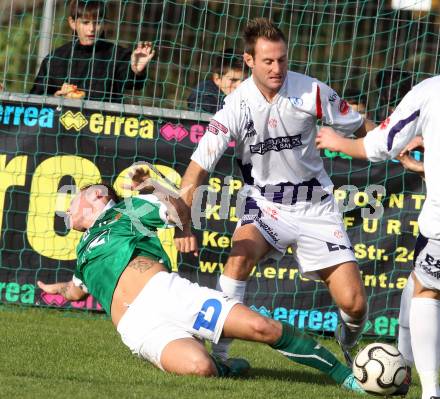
351	328
425	342
404	341
404	345
233	289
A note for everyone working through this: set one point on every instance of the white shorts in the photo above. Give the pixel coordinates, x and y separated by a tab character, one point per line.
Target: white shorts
427	262
315	232
170	307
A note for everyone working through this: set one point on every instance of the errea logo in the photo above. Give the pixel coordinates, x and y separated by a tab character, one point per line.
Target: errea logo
73	121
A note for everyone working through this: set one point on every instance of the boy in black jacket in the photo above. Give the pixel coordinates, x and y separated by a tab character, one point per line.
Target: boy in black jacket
89	64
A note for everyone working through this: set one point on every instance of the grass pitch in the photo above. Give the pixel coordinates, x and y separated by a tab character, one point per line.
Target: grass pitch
60	354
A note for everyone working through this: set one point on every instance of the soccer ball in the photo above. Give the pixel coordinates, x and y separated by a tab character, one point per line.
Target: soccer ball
379	368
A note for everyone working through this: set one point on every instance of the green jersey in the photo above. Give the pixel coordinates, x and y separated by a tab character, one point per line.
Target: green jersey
123	231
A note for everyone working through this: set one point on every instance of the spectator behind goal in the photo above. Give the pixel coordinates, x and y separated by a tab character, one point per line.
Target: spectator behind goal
227	74
89	66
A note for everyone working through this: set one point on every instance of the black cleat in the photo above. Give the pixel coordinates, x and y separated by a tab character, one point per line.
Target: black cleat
404	386
238	367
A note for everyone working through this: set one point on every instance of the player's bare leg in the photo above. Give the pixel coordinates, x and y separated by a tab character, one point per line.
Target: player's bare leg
188	356
345	285
291	342
425	337
248	247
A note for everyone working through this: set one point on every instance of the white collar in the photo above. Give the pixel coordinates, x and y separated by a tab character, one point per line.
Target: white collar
259	95
109	205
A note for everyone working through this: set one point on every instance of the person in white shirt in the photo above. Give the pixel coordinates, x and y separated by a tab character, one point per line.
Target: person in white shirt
272	116
416	115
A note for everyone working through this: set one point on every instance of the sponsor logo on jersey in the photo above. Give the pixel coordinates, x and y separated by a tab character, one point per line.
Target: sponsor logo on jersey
273	123
215	127
249	129
277	144
333	97
296	101
338	234
385	123
343	107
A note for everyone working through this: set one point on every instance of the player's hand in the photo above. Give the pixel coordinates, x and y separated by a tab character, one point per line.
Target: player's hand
49	288
141	56
327	138
185	241
140	180
67	289
416	142
407	161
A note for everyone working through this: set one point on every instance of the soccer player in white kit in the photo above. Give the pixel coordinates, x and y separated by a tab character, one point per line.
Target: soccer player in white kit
416	115
272	117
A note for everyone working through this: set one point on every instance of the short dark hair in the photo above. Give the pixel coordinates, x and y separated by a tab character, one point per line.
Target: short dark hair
111	193
393	84
260	28
227	61
353	96
87	8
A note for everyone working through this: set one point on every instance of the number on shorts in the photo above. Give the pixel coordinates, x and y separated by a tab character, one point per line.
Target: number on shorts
211	307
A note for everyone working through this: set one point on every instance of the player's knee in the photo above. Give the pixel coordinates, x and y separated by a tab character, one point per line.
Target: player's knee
242	261
264	329
202	366
356	307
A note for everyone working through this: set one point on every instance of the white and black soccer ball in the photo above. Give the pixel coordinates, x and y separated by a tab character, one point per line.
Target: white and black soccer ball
379	368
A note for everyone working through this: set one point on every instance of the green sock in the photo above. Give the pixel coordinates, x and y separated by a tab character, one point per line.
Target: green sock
299	347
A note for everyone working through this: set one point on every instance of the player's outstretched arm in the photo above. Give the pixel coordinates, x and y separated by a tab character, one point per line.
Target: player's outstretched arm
67	289
177	211
184	239
328	138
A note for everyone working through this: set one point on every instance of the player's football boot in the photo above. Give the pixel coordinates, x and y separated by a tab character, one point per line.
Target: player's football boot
347	350
352	384
238	367
232	367
404	387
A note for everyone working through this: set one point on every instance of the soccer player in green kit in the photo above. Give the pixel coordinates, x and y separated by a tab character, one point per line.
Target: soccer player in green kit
161	316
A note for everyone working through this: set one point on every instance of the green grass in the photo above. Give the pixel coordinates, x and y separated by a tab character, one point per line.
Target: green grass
53	354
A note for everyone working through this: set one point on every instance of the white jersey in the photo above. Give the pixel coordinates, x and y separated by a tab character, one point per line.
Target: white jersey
416	115
275	142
